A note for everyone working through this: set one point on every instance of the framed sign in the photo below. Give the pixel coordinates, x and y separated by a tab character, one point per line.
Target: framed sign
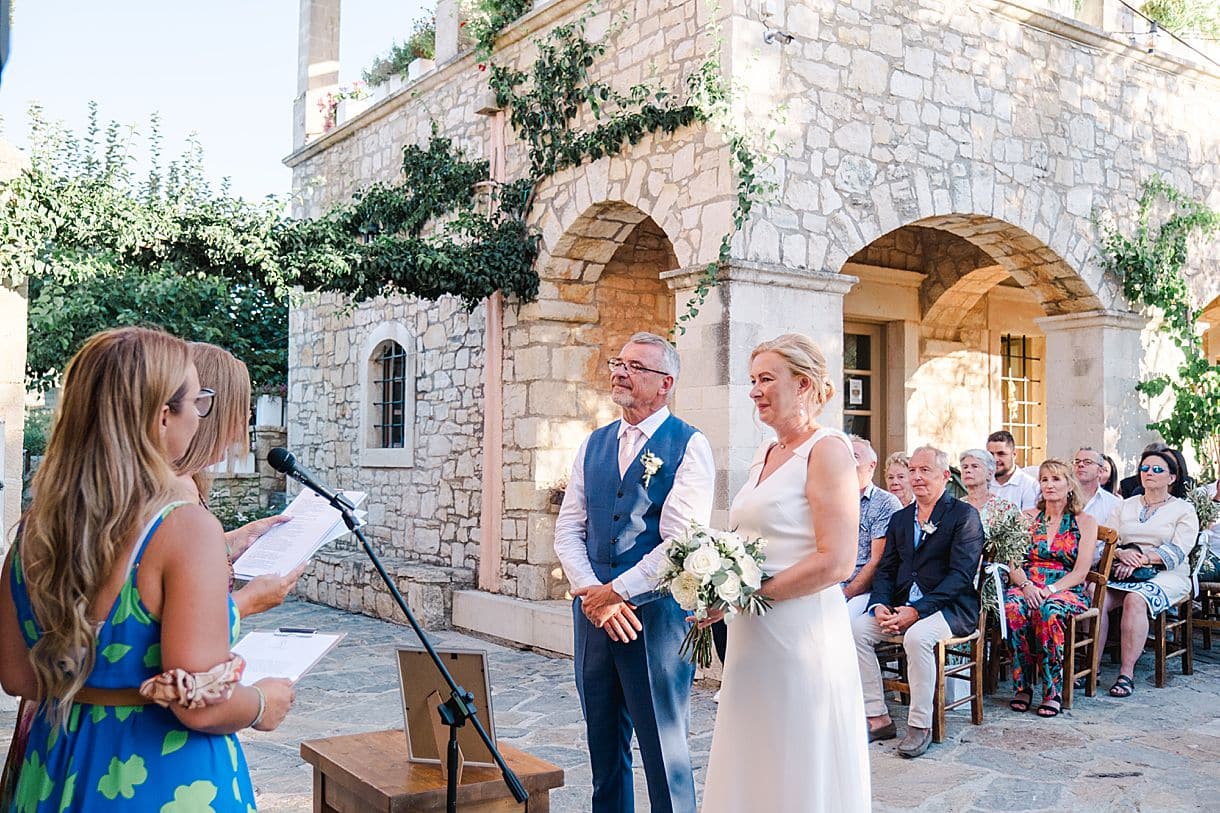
423	689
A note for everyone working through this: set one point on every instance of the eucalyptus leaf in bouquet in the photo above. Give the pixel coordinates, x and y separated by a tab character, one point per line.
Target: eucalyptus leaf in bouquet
710	570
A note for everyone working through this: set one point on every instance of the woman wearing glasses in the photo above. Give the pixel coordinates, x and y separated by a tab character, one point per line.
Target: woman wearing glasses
1157	531
115	618
226	400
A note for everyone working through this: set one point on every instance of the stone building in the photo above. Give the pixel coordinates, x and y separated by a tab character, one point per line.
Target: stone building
13	310
939	171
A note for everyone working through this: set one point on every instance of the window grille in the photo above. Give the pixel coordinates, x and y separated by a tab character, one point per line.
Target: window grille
391	394
1022	404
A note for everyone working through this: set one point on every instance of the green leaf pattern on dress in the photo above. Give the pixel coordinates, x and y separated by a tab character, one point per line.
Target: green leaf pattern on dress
113	652
193	798
173	741
34	786
122	778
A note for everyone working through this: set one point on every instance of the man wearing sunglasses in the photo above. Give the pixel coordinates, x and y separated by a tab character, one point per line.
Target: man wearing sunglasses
637	481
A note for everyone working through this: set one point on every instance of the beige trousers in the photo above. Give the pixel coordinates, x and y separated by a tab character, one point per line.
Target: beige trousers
919	641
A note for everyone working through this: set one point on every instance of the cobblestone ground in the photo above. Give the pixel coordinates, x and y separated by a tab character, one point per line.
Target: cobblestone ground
1158	751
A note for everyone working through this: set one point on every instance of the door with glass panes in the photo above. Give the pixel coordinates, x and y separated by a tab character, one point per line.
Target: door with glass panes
863	381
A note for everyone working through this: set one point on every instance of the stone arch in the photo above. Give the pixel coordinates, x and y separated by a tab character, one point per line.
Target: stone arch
594	236
1042	235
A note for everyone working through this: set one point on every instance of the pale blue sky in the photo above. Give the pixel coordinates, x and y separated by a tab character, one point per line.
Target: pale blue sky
225	69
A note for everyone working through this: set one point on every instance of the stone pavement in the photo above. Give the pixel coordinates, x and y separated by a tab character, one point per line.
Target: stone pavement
1158	751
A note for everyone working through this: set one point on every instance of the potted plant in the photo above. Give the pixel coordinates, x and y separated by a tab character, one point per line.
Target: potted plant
404	62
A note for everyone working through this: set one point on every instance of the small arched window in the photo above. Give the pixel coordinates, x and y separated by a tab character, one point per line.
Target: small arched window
389	423
387	382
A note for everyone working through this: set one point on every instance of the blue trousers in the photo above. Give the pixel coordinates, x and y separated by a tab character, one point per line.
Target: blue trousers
642	686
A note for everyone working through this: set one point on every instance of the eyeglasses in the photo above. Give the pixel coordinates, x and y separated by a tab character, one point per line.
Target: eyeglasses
1144	469
204	401
631	367
1086	463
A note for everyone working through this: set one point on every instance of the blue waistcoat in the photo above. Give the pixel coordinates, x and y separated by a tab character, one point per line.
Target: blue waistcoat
622	517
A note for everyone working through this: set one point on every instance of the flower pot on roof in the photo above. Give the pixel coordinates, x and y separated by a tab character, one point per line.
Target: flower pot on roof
418	67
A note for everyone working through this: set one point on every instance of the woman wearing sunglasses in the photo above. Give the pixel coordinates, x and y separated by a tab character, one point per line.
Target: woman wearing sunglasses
1157	531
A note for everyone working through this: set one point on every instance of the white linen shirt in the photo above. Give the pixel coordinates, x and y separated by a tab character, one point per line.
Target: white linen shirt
1021	490
689	500
1102	506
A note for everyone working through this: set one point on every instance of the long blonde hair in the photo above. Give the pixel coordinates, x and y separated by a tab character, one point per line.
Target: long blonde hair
104	473
805	360
225	432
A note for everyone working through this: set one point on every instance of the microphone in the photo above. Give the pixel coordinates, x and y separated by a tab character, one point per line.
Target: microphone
286	463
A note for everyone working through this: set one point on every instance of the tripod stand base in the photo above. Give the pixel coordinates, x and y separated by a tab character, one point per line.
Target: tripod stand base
370	772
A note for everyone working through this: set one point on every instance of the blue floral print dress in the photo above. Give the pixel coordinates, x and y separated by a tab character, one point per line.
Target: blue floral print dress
126	758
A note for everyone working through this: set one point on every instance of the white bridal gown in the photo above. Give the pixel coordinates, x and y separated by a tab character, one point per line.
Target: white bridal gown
790	728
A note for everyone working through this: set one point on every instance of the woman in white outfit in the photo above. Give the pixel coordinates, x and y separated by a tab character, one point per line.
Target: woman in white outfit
789	732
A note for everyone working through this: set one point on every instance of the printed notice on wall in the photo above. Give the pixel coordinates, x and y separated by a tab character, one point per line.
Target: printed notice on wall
855	392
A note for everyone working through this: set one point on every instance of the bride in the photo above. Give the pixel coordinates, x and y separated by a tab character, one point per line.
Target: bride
790	732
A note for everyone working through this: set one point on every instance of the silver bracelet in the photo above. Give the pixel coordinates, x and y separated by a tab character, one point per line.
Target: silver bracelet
262	706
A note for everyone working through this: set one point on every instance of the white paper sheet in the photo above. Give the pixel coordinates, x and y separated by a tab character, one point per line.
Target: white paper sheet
314	523
282	654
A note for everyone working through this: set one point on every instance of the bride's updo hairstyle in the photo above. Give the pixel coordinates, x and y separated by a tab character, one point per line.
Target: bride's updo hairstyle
805	360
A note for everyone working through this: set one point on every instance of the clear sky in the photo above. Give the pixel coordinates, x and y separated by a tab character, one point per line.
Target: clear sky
225	69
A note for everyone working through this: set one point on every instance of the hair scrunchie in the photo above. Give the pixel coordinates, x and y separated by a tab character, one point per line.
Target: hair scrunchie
194	690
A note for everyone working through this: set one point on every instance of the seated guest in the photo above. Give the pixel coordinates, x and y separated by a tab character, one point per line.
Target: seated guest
1109	474
876	508
898	477
1131	486
1049	587
978	476
925	591
1012	483
1098	503
1157	531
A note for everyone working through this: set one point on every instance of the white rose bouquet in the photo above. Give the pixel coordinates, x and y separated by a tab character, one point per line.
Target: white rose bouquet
713	570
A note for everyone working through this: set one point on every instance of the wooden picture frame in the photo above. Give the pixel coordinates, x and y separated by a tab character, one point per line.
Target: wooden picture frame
422	687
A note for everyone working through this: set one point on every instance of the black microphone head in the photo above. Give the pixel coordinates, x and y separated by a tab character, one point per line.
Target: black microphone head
281	459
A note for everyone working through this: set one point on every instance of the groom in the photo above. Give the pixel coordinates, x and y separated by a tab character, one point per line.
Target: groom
636	482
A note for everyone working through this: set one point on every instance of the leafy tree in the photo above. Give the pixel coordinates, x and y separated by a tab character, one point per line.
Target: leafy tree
1149	263
102	246
1190	17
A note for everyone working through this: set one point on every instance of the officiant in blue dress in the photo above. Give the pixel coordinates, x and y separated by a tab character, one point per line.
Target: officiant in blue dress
636	482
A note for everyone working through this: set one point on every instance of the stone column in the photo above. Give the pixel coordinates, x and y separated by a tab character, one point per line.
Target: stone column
14	311
1093	363
447	13
1103	14
751	303
317	66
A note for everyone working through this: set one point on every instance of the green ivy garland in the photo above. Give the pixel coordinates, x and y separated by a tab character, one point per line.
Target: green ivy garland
1150	264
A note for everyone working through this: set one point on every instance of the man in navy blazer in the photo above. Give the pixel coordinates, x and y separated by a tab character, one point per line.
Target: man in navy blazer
926	590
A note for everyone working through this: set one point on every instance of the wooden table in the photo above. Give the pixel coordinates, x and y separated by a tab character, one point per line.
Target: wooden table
370	772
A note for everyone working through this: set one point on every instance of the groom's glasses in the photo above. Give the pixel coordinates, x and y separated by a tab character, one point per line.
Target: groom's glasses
631	367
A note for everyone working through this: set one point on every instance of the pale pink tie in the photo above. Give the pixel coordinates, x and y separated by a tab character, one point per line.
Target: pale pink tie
627	449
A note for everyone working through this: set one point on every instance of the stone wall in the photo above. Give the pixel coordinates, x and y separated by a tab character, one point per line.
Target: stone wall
13	310
958	146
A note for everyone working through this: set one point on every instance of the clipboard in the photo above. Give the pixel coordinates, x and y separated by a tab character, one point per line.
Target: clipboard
423	689
286	652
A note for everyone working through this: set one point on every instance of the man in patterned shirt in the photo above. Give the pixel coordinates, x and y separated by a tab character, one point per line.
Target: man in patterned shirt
876	508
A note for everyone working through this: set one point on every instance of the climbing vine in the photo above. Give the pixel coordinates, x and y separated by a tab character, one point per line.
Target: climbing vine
1150	264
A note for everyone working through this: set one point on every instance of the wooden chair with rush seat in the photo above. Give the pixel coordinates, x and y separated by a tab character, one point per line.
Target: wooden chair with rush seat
1171	637
967	652
1080	635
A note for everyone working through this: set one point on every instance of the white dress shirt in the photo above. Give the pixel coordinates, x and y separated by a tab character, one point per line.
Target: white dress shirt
689	499
1102	505
1021	490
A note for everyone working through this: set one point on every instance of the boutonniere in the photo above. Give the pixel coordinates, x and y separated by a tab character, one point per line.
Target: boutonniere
652	464
928	528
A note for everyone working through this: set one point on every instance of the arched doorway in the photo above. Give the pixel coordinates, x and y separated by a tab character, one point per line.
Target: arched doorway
601	282
961	314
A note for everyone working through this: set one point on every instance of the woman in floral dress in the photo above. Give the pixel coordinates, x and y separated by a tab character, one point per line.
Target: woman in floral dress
115	594
1049	587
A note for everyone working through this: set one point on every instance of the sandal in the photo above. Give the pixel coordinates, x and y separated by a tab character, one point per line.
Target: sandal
1017	704
1123	687
1046	710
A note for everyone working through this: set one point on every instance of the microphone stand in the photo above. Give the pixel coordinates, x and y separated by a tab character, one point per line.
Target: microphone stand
460	706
